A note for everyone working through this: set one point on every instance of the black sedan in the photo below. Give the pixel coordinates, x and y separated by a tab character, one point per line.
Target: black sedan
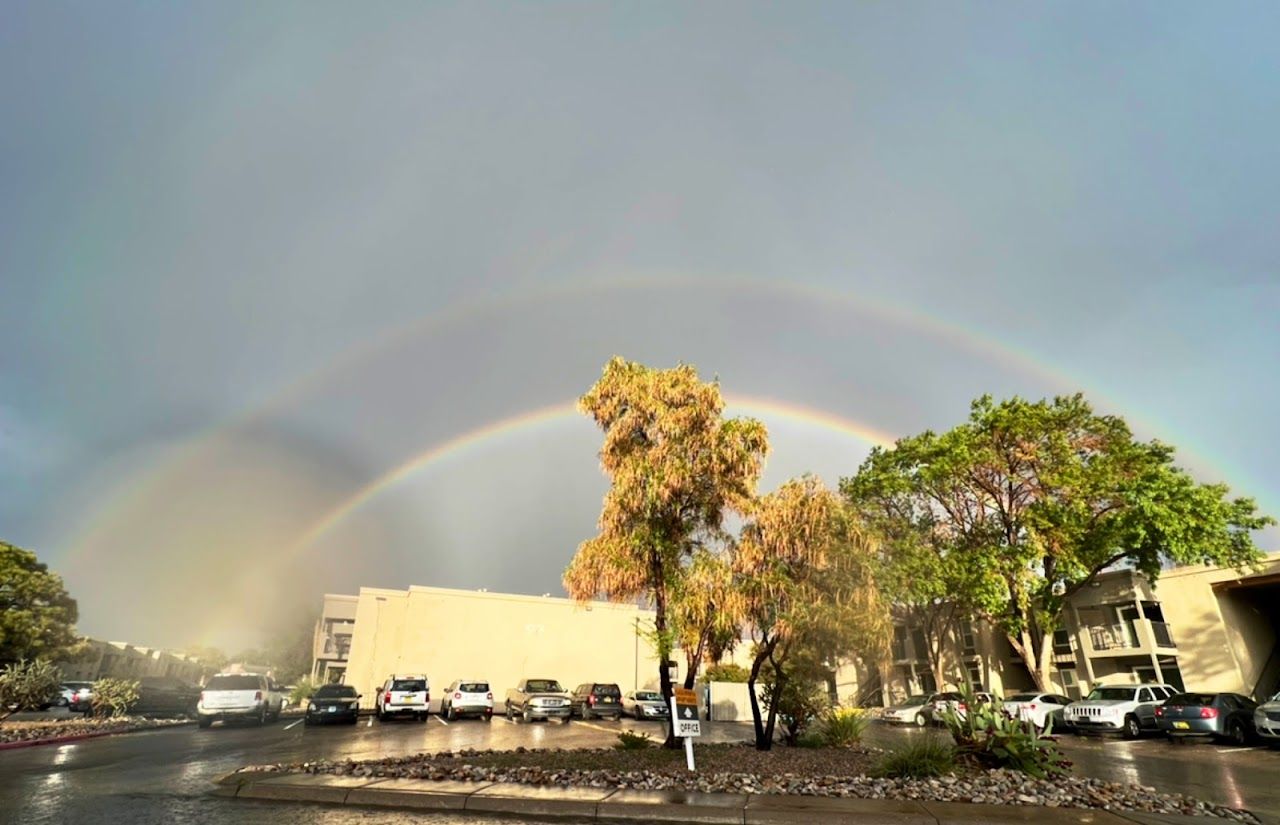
165	697
333	703
1225	716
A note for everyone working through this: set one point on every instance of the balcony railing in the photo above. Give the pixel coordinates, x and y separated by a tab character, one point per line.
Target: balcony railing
1113	637
1163	634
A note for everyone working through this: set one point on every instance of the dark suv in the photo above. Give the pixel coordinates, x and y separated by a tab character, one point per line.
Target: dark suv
597	699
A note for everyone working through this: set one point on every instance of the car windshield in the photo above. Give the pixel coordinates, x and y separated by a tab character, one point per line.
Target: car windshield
1023	697
648	696
1202	699
606	690
948	697
239	682
415	685
1111	694
543	686
336	692
474	687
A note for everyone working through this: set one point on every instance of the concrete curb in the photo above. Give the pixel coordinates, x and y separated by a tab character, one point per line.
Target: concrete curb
610	805
78	737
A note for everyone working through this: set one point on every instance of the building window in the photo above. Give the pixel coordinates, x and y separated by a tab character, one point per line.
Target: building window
1061	641
975	676
927	682
918	642
1068	676
899	643
967	641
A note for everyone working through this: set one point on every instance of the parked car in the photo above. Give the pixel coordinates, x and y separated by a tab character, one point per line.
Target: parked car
645	704
597	699
467	697
538	699
333	703
77	696
404	695
1224	716
1266	720
914	710
1124	709
955	702
1037	708
239	696
165	696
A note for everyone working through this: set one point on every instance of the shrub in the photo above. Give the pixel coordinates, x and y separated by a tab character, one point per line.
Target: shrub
992	739
301	692
629	740
921	759
114	697
727	673
799	703
28	685
843	727
811	739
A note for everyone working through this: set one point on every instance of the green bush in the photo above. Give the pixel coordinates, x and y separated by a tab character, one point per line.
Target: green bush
301	692
28	685
992	739
922	759
843	727
727	673
811	739
799	703
114	697
629	740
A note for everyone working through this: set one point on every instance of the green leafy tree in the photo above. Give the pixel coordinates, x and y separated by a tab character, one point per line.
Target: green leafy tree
37	616
1035	499
806	585
676	468
704	623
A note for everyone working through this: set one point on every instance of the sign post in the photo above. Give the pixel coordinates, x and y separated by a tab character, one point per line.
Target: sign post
684	710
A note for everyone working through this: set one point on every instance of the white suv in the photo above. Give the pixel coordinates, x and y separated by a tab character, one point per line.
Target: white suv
1266	718
1126	709
404	695
246	696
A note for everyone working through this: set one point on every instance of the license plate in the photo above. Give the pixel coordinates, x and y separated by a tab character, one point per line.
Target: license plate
1182	725
332	709
608	701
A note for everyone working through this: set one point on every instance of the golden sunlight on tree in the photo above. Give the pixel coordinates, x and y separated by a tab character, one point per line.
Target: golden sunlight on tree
677	469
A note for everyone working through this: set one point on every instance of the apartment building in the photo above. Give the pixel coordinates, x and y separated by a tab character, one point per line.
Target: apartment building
499	637
121	660
1198	627
331	646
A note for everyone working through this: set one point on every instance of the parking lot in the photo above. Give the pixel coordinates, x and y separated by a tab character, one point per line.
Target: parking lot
170	772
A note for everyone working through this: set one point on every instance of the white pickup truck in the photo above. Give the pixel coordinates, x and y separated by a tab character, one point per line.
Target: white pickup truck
246	696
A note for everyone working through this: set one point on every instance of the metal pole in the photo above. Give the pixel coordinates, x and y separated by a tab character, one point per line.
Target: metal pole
688	751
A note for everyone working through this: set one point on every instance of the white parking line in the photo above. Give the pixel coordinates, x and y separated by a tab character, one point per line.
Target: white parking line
294	724
370	722
440	719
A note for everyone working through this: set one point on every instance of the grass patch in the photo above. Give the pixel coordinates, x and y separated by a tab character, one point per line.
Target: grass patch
926	758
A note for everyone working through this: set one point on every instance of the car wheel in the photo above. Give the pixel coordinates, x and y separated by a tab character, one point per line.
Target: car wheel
452	716
639	715
1132	730
262	717
509	714
528	717
306	721
921	720
586	714
488	717
204	721
1236	733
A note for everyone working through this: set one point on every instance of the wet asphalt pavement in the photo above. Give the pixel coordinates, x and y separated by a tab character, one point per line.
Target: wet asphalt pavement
166	776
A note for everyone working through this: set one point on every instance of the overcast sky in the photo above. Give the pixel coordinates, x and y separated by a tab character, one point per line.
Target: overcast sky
254	257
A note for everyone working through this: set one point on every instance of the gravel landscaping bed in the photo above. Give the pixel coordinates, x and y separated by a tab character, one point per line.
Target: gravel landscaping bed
35	731
742	769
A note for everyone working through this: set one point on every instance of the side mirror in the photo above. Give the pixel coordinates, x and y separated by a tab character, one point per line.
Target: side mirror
359	695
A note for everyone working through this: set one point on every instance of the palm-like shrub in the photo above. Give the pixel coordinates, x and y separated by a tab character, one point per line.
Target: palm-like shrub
114	697
843	727
28	685
993	739
921	759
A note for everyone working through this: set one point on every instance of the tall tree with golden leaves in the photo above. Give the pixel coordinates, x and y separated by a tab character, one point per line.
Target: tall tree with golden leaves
804	568
677	467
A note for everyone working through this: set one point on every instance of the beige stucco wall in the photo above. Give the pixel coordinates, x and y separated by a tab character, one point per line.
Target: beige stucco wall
459	634
1222	643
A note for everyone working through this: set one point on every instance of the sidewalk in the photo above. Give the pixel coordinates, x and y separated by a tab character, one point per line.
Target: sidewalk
609	805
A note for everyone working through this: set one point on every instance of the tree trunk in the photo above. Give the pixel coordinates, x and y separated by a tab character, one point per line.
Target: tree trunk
660	628
762	743
779	683
1024	646
694	660
1046	661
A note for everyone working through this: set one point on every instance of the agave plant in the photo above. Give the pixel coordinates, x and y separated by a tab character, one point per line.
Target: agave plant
994	739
